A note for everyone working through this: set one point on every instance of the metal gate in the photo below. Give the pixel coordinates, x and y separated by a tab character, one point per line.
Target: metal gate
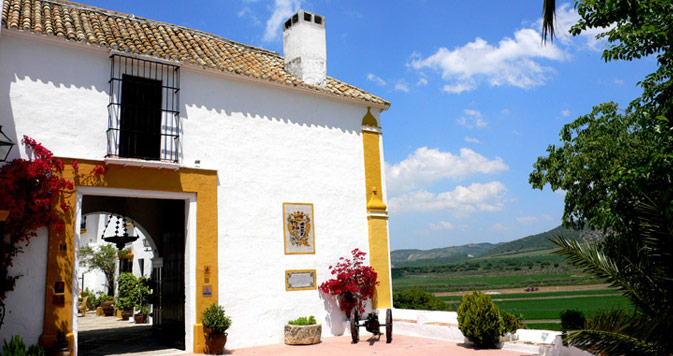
169	291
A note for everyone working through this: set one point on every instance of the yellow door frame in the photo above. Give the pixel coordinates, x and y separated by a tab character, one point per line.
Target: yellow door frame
58	309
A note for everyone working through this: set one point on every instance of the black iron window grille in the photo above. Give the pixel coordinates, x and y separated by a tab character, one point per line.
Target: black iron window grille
144	109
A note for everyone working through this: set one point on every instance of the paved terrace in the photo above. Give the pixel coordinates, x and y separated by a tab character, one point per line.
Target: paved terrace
402	345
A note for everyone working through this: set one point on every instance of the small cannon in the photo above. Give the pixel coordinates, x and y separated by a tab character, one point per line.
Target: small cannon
372	325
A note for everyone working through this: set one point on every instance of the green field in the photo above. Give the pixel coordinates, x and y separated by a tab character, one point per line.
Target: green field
538	295
449	282
544	326
539	309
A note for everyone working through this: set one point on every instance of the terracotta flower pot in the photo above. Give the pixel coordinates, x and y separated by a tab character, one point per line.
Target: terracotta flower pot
126	314
108	307
140	318
214	342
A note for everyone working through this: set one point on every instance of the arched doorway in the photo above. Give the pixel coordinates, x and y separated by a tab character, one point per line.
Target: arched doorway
160	225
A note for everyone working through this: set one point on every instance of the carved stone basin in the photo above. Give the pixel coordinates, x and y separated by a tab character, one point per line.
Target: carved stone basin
302	334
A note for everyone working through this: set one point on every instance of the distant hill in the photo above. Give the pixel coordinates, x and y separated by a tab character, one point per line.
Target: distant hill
538	242
439	255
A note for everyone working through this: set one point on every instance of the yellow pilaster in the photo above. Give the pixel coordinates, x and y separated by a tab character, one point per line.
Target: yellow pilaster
377	219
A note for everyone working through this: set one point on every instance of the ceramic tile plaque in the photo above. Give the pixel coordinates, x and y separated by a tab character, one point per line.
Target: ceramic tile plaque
300	279
298	226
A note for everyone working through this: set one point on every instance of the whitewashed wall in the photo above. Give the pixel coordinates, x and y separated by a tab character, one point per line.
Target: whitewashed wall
25	304
269	146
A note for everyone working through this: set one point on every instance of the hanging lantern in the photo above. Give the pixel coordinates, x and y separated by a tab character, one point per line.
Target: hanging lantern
5	145
121	235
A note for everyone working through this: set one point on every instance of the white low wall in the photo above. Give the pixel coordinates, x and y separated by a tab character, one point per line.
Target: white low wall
444	326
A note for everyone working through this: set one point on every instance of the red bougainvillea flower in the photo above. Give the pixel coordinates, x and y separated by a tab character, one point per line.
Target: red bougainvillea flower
354	284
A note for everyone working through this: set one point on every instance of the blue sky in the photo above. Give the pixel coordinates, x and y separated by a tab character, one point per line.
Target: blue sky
475	98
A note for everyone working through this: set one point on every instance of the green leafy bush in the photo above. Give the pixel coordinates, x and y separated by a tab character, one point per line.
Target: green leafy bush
571	319
418	299
479	320
143	293
303	321
126	295
17	347
511	322
215	318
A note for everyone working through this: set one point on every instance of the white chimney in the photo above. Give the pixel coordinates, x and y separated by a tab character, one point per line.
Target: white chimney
304	47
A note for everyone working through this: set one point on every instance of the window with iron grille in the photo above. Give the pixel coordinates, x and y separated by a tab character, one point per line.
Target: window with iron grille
144	109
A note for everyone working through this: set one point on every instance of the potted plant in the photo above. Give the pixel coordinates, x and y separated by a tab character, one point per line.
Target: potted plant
126	295
61	347
303	331
143	293
215	324
107	303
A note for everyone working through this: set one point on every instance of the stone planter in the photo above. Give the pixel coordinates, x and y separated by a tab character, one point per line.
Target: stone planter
214	342
302	334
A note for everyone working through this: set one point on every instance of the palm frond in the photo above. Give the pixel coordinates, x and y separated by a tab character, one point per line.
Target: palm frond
618	332
548	19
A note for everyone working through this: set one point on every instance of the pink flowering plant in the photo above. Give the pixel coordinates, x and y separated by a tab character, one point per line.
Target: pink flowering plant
354	282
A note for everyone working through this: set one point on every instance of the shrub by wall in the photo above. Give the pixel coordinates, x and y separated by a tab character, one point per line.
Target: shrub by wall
479	320
418	299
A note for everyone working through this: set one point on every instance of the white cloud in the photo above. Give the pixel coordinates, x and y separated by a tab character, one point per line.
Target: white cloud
472	118
422	81
282	9
442	225
472	139
504	111
547	217
510	62
619	81
428	165
402	86
462	200
565	112
246	11
526	219
501	227
376	79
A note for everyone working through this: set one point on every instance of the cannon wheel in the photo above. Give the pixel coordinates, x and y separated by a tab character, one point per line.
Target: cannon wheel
389	326
355	326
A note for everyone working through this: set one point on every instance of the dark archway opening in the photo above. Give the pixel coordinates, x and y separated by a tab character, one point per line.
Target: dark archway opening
162	222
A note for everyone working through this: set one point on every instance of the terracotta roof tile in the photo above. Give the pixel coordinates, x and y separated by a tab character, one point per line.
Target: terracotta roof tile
109	29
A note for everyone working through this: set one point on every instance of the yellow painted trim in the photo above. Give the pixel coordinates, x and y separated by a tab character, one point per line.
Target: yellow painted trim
369	119
285	231
379	257
60	259
377	222
287	279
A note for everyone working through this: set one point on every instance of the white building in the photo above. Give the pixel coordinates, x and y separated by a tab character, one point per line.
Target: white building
213	145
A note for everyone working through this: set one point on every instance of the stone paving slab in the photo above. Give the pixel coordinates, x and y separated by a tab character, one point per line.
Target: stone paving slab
100	335
402	345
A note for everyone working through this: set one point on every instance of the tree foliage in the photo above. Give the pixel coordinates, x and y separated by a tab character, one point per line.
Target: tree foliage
616	168
103	259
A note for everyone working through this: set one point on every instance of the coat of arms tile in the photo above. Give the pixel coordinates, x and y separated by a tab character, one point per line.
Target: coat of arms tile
298	228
